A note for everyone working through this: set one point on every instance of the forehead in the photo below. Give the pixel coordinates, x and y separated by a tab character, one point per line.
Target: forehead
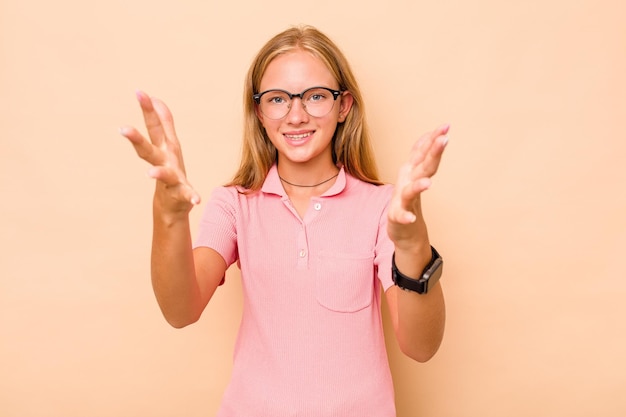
295	71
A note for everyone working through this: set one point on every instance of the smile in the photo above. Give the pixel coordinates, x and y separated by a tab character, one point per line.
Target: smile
298	137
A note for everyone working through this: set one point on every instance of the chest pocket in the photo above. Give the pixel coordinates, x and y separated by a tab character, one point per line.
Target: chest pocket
345	282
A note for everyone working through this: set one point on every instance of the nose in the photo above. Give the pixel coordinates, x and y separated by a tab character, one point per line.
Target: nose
297	113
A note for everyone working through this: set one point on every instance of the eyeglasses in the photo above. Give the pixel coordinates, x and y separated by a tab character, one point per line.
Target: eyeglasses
317	101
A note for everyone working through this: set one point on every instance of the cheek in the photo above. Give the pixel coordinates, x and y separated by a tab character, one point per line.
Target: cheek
264	122
271	132
270	126
332	122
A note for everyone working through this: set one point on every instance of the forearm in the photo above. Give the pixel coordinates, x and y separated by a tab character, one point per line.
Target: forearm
172	268
420	317
420	322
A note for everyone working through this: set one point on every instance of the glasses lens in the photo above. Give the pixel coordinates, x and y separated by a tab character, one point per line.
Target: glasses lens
318	102
275	104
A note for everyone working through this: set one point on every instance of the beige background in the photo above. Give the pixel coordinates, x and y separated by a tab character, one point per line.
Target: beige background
528	207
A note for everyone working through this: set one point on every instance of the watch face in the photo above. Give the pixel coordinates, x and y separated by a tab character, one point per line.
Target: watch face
432	274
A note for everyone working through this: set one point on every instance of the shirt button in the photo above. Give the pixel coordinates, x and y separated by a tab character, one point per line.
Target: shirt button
302	253
317	206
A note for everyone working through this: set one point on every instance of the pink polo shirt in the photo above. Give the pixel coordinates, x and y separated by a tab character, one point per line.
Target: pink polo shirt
311	342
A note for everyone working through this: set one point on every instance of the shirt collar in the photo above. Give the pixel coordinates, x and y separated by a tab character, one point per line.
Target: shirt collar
273	185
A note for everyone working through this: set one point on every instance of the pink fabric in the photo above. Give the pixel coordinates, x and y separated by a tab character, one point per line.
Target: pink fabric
311	340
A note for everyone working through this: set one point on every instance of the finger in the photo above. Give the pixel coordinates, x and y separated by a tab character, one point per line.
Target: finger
424	143
402	217
411	191
166	175
414	189
151	119
144	149
425	160
171	180
403	207
432	159
427	140
165	116
167	123
398	212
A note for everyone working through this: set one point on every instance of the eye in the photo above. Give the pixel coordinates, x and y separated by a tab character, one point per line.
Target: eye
317	95
276	98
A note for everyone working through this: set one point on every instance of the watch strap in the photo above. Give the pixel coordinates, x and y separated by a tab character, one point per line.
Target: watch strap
429	277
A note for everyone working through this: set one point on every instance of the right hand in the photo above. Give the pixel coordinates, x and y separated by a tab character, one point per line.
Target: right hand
173	192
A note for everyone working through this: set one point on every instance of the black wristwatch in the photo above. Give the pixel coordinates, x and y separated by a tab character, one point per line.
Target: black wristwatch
429	277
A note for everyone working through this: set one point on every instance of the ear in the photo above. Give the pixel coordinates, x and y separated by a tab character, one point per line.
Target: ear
345	104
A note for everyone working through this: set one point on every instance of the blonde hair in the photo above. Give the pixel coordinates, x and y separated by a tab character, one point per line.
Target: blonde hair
351	143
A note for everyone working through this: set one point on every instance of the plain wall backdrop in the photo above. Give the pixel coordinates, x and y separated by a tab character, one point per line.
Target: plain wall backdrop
528	208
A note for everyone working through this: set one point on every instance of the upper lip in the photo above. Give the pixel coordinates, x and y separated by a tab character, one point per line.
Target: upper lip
298	132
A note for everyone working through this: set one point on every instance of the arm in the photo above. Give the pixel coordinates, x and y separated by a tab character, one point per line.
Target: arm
418	319
183	280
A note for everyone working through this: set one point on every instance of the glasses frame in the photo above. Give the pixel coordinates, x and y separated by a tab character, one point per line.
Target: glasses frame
335	93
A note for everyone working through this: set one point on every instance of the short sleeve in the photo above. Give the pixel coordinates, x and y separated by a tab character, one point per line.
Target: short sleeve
218	225
384	245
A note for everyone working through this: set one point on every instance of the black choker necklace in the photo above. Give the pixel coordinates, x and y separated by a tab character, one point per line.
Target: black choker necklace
307	186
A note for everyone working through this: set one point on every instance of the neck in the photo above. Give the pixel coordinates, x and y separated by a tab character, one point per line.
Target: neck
309	185
307	175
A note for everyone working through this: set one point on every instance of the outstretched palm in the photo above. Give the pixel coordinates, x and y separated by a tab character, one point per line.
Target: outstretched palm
414	177
164	153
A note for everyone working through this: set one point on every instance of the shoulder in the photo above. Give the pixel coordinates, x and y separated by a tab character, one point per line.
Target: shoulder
227	197
369	199
232	193
368	191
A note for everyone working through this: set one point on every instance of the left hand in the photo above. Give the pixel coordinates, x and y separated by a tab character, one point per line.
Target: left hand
414	177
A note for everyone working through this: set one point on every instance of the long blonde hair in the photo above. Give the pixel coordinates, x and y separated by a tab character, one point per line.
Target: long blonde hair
351	143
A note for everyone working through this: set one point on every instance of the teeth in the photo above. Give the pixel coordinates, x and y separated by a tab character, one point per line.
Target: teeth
302	136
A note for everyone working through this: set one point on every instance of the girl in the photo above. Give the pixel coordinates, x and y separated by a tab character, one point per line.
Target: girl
316	235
